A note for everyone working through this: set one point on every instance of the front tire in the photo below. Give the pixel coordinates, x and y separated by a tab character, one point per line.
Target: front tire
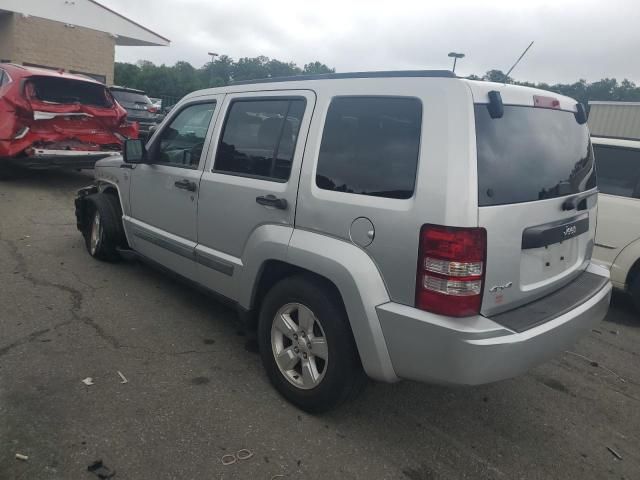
103	233
306	345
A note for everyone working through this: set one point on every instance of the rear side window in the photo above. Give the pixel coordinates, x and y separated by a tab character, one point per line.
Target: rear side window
370	146
531	154
131	97
3	78
259	138
618	170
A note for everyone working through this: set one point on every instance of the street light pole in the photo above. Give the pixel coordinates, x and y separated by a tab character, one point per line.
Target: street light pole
455	57
213	57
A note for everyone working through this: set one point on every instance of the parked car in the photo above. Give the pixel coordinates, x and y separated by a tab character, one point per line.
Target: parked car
406	225
139	107
50	118
618	235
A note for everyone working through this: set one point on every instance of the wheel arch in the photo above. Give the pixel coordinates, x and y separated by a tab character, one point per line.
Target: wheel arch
351	274
626	265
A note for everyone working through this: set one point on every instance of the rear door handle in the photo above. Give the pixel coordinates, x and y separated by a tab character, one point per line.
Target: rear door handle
272	201
186	185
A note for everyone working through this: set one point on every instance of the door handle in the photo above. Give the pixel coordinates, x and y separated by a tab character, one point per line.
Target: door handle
272	201
186	185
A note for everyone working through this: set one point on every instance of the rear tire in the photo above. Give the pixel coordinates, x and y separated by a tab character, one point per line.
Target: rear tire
103	232
310	357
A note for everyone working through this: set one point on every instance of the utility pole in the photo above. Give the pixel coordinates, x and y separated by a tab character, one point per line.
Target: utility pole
455	57
213	56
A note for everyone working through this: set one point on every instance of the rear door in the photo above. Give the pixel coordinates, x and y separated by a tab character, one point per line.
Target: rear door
164	193
252	181
536	197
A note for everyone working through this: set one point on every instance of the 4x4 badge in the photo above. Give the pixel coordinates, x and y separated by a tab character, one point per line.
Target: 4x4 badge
499	288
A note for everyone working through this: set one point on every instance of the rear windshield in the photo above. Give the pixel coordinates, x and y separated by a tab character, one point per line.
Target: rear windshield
531	154
130	97
65	91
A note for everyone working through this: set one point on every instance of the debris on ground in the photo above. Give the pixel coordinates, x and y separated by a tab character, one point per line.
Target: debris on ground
88	381
22	457
595	330
244	454
124	379
98	468
231	458
614	453
228	459
614	332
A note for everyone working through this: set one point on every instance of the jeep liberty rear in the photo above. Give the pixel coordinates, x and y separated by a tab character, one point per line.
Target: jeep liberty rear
408	225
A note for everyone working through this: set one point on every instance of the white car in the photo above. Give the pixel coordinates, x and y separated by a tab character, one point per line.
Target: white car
618	233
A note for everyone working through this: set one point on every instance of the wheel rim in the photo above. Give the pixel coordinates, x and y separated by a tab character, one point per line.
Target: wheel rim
299	346
96	233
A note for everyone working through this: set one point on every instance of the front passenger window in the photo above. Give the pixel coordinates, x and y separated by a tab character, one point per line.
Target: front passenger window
181	142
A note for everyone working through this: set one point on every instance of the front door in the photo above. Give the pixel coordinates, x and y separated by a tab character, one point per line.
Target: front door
248	190
164	192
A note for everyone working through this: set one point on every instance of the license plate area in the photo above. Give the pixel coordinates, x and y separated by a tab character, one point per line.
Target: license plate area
552	251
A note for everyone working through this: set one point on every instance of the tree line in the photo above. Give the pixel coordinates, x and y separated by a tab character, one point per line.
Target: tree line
182	78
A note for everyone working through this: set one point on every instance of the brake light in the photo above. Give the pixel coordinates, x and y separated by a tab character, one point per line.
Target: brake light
152	109
451	266
545	102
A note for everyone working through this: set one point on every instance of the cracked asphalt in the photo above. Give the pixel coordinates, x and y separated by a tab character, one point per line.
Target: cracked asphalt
194	393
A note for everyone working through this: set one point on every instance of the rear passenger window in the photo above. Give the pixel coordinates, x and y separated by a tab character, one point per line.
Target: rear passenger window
370	146
618	170
259	138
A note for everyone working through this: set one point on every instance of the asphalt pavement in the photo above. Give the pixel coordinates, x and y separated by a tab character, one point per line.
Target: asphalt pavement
195	393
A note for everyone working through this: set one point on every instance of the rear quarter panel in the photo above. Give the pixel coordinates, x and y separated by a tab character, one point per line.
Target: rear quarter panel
446	186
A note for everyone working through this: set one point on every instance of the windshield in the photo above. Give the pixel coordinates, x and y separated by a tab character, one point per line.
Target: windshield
531	154
130	97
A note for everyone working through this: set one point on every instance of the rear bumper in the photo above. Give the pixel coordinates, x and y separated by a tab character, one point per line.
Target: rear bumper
477	350
45	158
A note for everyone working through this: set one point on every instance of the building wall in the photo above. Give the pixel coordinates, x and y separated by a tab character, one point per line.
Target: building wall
6	36
615	119
53	44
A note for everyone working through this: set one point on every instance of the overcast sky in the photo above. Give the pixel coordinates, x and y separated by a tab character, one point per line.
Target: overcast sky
573	38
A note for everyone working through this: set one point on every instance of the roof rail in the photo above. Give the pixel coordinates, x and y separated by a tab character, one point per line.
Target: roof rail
332	76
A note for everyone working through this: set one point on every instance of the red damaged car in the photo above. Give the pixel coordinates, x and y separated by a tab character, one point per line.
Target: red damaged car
50	118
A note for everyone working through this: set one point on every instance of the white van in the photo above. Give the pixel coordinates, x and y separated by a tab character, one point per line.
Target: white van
618	232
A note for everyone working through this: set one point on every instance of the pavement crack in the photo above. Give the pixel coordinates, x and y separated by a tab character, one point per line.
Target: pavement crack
76	295
168	353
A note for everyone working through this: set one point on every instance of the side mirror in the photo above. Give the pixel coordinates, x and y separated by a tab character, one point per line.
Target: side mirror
152	129
134	151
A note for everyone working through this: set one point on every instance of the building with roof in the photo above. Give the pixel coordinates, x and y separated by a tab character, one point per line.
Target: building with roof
615	119
77	36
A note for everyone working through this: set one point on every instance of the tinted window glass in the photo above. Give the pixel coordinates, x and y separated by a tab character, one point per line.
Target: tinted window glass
370	146
3	78
531	154
130	97
618	170
181	142
259	138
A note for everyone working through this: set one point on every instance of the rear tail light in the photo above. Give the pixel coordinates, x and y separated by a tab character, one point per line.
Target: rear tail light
152	109
451	266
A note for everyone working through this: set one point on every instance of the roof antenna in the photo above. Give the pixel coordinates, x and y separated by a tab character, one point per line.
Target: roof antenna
506	77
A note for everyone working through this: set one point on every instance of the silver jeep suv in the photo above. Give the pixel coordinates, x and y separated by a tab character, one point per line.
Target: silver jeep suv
403	225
